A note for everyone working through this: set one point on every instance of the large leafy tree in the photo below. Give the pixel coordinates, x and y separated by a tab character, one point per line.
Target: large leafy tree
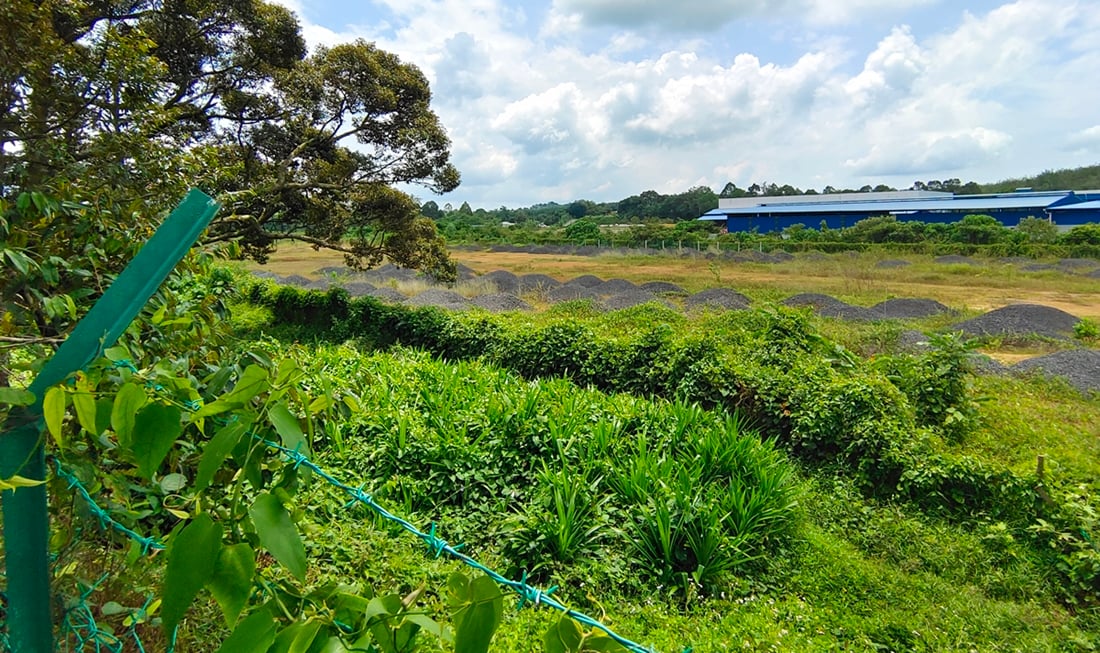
128	102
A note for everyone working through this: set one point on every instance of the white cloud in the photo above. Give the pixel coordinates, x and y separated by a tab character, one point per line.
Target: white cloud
541	107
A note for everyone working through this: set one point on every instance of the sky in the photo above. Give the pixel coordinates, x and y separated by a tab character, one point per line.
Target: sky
559	100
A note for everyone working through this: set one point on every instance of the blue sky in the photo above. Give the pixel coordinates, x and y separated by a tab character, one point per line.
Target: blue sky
557	100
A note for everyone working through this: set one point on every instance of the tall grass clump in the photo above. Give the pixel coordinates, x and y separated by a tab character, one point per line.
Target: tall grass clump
555	477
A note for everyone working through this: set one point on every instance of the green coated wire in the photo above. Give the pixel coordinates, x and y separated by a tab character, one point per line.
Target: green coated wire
438	546
84	617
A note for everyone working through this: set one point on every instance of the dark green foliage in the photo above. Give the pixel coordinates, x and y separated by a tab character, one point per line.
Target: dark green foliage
935	381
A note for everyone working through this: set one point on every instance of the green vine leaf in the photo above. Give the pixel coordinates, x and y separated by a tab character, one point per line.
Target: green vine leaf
53	409
231	582
129	400
477	608
16	397
216	451
192	555
156	429
286	424
84	404
16	482
278	534
253	635
563	637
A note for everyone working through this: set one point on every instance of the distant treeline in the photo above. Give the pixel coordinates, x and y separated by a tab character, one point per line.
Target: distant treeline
972	234
690	204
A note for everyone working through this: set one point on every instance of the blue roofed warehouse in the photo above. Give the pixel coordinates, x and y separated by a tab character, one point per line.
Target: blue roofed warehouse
836	211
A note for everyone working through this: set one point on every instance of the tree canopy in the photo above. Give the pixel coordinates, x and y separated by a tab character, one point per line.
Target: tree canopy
136	100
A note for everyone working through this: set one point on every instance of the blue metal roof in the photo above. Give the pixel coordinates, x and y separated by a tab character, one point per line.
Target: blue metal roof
1080	206
898	206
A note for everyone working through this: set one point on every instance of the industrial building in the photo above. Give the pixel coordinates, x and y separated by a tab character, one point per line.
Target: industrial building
1064	208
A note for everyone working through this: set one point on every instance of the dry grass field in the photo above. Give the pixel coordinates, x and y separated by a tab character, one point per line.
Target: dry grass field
854	279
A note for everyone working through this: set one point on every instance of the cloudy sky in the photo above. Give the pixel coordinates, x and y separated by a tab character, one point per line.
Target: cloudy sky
557	100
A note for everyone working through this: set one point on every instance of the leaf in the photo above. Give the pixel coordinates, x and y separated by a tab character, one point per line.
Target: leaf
16	482
215	407
253	381
253	635
129	400
192	555
171	483
16	397
477	608
103	408
563	637
112	608
156	429
216	451
324	402
84	403
278	534
287	426
53	409
231	583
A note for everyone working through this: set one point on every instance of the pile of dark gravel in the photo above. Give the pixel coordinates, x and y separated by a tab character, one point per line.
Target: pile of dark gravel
264	274
614	287
504	281
537	283
568	293
294	280
632	297
585	281
447	299
1077	263
1021	320
500	302
719	298
391	272
905	308
827	306
387	294
892	263
359	288
954	259
1095	274
912	341
1037	267
320	284
1081	367
663	288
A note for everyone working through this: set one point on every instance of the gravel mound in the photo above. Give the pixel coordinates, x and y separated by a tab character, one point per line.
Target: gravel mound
1081	367
1095	274
320	284
903	308
1076	263
264	274
633	297
537	282
827	306
359	288
782	256
954	259
568	293
388	294
585	281
505	281
500	302
720	298
447	299
295	280
912	341
334	270
614	287
663	288
892	263
1037	267
390	272
465	272
1021	320
982	364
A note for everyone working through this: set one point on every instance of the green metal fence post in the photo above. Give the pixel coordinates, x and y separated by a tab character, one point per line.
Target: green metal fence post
26	521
